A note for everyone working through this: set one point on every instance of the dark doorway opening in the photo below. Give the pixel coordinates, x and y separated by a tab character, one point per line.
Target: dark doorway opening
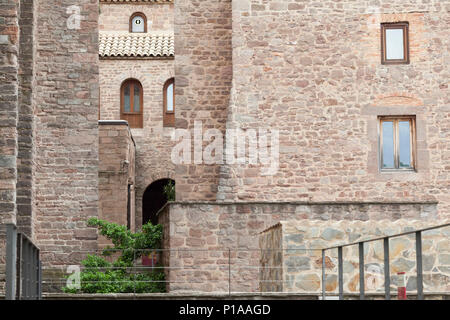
153	200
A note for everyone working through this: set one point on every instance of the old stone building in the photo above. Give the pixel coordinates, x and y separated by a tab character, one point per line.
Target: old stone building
140	56
353	94
318	72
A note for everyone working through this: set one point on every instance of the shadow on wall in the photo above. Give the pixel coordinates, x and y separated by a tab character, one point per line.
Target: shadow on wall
154	199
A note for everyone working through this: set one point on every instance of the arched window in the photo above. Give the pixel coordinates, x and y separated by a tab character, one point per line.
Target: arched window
131	103
169	103
138	22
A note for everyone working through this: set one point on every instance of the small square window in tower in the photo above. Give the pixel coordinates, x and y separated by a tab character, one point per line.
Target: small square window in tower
395	43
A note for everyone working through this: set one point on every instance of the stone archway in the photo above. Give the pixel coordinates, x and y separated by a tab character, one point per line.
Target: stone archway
153	200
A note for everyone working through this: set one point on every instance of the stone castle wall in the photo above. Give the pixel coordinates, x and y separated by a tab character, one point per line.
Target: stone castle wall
66	132
116	173
203	69
9	97
200	236
312	70
26	146
300	256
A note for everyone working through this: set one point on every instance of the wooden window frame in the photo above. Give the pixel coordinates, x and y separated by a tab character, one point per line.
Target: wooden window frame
168	116
396	25
131	116
412	127
143	17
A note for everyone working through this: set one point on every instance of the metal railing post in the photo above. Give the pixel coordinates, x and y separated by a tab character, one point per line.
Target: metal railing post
39	279
361	270
134	275
229	271
419	265
26	269
35	272
387	274
323	275
11	252
340	274
19	266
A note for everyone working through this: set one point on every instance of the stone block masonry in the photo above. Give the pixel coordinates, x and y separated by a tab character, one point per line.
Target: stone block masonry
66	130
116	175
25	125
9	97
153	141
199	236
313	71
299	258
203	69
9	101
116	16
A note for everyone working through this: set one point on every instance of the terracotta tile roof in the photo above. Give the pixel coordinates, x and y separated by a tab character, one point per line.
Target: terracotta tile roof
137	1
125	44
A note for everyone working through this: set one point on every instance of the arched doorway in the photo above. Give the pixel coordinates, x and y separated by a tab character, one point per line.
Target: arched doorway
153	200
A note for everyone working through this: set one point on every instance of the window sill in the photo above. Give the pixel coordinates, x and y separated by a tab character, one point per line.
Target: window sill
398	170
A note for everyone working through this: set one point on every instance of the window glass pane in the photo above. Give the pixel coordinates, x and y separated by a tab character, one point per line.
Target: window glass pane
137	24
388	144
137	100
404	133
169	97
126	98
394	44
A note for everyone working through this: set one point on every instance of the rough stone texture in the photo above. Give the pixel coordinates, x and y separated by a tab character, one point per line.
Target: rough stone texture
66	133
25	159
316	74
153	141
203	69
199	235
312	70
9	102
302	257
9	68
116	16
116	173
271	272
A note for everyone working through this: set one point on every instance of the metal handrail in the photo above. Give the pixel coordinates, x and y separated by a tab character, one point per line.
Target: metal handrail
391	236
23	266
387	289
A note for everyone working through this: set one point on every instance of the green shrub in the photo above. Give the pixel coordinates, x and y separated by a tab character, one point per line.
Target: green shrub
102	276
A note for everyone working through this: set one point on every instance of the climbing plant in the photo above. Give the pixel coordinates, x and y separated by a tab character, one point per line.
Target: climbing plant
169	191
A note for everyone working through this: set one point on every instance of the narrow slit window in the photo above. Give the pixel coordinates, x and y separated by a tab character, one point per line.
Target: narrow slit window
397	143
169	103
394	43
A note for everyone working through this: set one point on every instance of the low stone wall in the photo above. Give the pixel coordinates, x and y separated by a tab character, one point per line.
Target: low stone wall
301	257
214	246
